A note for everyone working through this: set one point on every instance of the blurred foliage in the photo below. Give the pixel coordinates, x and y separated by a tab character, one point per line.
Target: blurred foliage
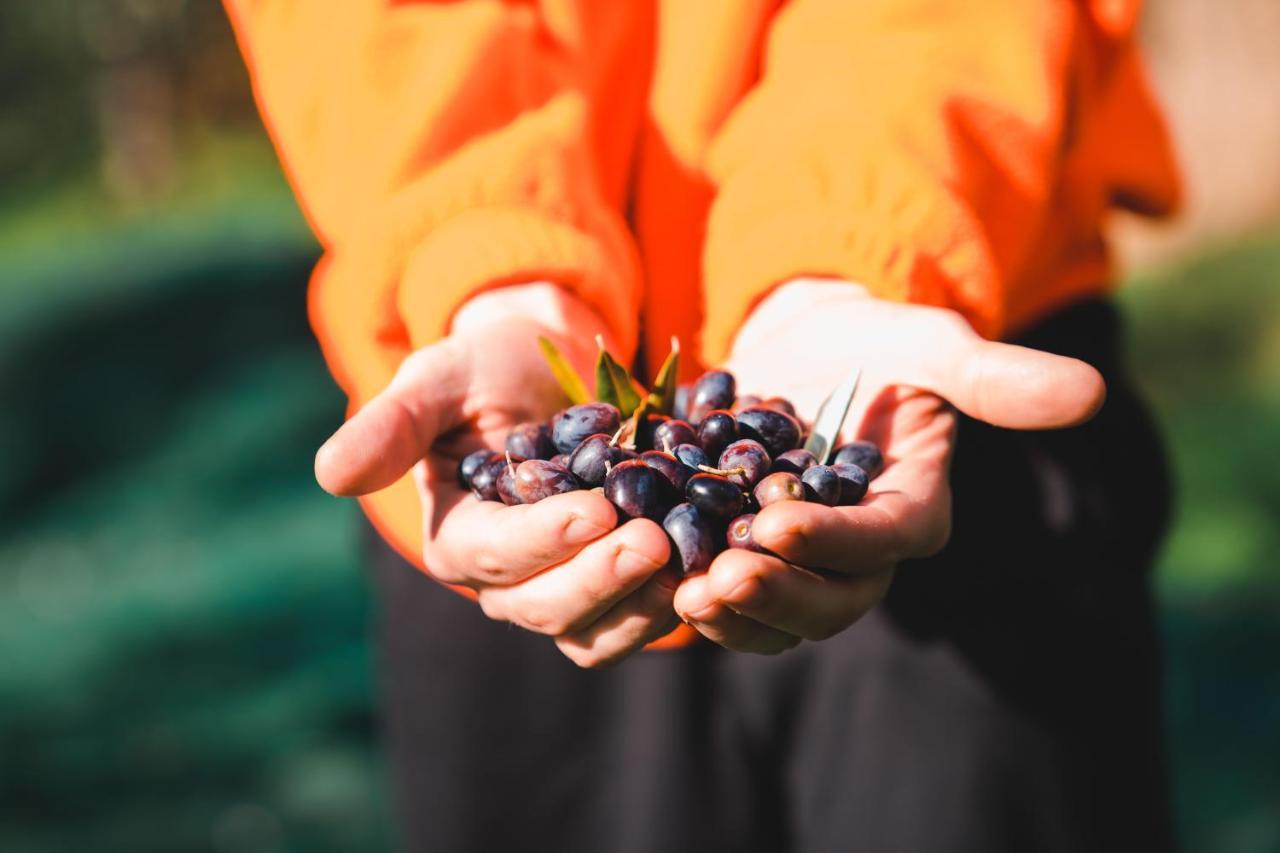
182	614
1207	346
117	86
184	653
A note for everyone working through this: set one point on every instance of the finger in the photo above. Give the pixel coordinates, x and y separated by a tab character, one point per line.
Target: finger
637	620
721	625
568	597
484	543
794	601
391	432
1007	385
907	515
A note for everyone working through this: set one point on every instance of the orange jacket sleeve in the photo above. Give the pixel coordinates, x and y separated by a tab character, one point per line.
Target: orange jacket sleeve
441	148
959	154
438	149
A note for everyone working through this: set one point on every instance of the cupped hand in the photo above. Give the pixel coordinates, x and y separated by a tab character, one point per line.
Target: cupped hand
828	566
558	567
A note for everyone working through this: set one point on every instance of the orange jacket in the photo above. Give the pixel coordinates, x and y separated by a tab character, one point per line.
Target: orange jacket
671	161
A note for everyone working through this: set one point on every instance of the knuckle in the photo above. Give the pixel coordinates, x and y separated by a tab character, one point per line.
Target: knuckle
590	660
934	544
537	618
491	607
441	568
936	536
450	577
488	567
583	658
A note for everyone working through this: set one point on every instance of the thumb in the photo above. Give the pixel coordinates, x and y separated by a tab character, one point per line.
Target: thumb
1016	387
395	429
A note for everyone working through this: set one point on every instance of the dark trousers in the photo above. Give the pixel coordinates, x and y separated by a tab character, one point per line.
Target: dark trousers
1004	697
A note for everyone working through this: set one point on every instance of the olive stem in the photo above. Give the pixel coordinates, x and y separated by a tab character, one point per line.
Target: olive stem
724	472
511	466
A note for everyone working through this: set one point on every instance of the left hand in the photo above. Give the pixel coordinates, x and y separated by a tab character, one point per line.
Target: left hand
833	564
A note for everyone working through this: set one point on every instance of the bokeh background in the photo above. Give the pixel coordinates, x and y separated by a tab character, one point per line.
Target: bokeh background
184	656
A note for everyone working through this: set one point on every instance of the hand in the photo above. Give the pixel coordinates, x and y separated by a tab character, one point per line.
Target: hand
833	564
557	567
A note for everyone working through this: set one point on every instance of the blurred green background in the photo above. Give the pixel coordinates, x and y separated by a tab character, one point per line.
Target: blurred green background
184	655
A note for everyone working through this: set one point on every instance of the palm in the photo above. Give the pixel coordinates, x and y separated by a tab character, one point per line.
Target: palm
916	362
913	428
509	384
563	567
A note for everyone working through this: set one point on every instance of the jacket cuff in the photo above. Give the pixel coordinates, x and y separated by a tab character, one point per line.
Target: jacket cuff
493	247
884	230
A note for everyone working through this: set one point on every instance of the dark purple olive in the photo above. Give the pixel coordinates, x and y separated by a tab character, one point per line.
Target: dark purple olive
646	430
636	490
471	462
821	485
684	394
717	431
714	389
777	431
782	404
745	401
739	533
506	483
746	461
484	482
794	461
693	538
692	455
864	454
536	479
674	472
589	461
714	495
531	441
561	459
672	433
853	482
577	422
775	488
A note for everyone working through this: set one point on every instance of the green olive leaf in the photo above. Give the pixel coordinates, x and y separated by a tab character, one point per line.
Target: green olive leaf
570	382
830	418
663	396
613	384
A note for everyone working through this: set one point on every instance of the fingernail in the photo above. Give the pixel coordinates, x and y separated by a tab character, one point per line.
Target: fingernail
581	529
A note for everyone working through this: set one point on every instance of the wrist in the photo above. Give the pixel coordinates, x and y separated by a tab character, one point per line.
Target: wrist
790	303
557	310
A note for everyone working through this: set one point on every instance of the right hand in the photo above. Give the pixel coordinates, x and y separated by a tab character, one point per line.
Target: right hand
558	567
